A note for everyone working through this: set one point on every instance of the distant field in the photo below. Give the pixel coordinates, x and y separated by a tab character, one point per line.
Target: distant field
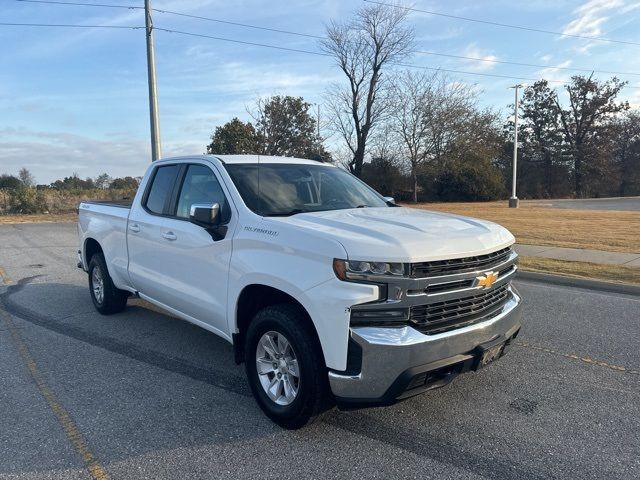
613	231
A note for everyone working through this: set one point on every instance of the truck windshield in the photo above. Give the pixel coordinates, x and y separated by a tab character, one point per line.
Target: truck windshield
286	189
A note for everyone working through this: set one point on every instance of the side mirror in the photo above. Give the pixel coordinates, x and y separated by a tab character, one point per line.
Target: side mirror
389	200
205	214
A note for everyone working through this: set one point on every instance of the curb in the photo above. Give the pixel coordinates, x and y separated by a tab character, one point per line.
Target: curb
623	288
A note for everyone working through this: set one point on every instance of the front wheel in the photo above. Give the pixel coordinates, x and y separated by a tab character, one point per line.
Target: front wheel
285	366
105	296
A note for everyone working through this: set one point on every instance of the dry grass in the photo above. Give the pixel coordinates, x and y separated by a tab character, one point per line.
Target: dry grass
611	231
39	218
608	273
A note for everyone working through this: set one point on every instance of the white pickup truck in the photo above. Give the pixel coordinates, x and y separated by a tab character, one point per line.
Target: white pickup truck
329	292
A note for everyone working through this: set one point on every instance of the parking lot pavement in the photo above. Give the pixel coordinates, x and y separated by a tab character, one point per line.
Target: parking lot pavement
144	395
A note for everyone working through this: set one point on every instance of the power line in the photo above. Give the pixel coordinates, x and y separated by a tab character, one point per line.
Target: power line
65	25
407	65
505	25
289	32
481	74
179	14
277	47
82	4
505	62
296	50
245	25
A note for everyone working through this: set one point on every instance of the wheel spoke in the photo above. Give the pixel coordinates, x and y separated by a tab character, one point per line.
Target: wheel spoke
264	365
293	368
289	389
269	346
283	344
274	389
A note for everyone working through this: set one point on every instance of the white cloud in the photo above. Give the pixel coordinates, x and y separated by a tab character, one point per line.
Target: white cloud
485	62
591	16
555	74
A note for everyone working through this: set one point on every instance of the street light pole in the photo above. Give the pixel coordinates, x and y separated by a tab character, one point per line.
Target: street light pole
156	151
513	201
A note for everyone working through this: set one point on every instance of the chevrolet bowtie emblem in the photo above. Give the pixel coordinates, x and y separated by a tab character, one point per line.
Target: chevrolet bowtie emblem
486	280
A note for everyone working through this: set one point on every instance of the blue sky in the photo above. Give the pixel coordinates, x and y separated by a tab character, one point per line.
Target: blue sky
75	100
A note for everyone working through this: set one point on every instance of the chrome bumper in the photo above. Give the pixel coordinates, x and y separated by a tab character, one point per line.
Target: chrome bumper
392	356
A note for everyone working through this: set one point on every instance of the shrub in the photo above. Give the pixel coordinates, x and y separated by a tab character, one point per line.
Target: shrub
27	200
469	178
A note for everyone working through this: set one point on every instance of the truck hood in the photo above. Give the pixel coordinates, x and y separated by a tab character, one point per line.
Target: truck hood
402	234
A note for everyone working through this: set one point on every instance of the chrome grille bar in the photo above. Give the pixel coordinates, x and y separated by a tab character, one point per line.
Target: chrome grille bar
443	315
458	265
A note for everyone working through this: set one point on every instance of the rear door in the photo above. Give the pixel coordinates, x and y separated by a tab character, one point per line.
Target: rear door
191	266
149	269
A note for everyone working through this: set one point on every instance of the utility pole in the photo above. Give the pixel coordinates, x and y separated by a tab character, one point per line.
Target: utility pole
156	151
513	201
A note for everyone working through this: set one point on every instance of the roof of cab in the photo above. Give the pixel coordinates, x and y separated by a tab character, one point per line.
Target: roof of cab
231	159
263	159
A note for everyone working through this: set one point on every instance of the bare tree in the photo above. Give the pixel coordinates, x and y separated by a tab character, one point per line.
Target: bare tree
451	110
414	102
431	114
26	177
376	37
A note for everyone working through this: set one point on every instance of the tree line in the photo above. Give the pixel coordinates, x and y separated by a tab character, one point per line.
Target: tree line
20	194
421	135
25	179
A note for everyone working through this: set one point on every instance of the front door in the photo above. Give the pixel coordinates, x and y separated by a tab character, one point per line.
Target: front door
191	266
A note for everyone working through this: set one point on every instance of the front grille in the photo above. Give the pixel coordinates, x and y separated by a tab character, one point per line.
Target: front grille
449	314
459	265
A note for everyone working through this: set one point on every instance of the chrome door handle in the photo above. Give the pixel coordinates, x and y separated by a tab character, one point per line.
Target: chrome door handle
169	236
134	227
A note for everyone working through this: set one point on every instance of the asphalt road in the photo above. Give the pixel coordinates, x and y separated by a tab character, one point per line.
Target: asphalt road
144	395
631	204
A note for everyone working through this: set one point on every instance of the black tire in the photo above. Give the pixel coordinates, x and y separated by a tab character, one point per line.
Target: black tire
113	299
313	393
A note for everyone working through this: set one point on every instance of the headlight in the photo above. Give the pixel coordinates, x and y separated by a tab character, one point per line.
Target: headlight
361	270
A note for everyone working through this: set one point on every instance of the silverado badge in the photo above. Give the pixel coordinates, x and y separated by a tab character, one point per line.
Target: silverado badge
486	280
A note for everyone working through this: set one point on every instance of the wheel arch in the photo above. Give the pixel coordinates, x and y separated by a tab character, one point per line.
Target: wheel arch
255	297
91	247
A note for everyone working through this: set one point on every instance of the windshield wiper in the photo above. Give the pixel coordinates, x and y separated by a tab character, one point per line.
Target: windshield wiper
287	214
362	206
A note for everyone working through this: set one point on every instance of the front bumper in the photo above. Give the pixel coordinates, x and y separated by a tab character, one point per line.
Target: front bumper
396	363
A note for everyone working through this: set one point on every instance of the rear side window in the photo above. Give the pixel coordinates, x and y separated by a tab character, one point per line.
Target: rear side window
200	186
161	188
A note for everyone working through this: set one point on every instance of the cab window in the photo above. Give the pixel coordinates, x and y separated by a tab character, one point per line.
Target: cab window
159	194
200	185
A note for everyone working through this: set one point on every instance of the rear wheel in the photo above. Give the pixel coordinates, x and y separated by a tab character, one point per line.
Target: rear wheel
105	296
285	366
